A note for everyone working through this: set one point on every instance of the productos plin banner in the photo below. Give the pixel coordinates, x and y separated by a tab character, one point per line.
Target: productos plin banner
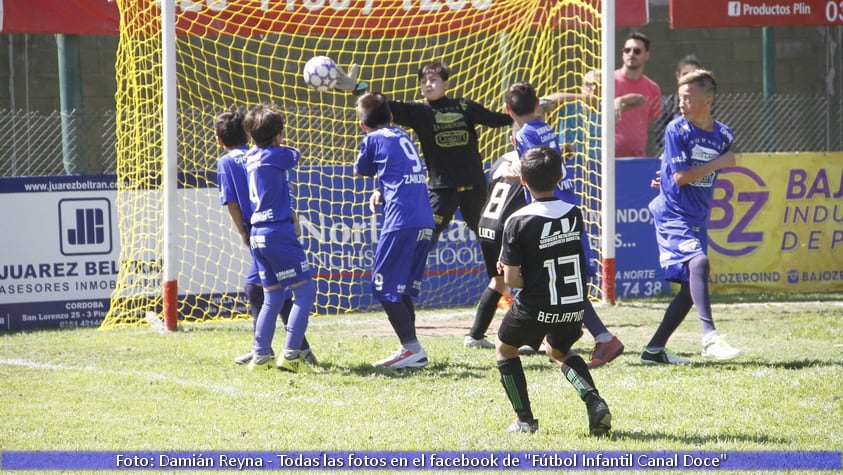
776	224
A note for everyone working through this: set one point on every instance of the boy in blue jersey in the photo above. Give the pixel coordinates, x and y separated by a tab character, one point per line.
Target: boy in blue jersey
696	147
401	254
542	254
280	257
234	194
522	104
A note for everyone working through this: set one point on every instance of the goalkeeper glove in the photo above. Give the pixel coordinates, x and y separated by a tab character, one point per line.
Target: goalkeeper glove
348	82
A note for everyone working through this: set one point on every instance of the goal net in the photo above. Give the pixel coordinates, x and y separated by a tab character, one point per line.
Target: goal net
237	53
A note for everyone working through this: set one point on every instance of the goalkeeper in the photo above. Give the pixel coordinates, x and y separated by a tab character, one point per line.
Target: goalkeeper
446	130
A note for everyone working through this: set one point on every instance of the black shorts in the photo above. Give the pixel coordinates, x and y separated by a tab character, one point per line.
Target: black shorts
491	252
469	200
517	332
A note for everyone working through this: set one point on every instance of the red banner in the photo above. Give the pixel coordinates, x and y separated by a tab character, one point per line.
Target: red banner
731	13
248	17
82	17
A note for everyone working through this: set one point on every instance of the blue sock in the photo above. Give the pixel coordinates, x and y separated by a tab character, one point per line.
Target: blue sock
591	321
305	296
699	269
673	316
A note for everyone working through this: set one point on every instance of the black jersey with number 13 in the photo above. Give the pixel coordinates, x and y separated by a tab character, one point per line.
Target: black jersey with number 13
545	239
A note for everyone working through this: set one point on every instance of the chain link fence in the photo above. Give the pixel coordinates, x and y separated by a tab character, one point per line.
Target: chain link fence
780	123
33	143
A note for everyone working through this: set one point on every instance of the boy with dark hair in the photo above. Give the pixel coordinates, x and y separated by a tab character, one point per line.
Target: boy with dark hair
696	148
446	130
401	254
234	194
280	257
505	196
522	104
542	254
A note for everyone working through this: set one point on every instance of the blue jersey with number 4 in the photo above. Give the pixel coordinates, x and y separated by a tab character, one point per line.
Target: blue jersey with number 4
389	154
269	189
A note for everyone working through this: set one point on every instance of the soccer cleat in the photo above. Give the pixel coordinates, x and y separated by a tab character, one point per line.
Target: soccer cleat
262	362
245	359
297	364
309	357
403	358
470	342
714	346
599	417
605	352
662	357
529	427
505	302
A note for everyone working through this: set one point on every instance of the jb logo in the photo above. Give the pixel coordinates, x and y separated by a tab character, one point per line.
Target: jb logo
739	197
85	226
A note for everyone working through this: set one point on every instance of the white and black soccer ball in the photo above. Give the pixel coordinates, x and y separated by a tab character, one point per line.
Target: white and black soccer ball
321	73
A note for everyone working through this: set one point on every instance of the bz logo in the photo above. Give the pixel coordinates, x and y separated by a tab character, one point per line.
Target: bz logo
739	197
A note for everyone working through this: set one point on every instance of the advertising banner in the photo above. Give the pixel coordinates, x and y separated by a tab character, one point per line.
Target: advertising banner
58	259
60	265
636	254
732	13
776	224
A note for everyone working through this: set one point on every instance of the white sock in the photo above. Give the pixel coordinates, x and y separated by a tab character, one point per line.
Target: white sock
604	337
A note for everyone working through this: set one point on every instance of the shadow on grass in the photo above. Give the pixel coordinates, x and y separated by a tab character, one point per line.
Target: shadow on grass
694	440
791	365
443	369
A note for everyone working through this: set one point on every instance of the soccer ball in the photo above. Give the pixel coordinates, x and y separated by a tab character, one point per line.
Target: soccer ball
321	73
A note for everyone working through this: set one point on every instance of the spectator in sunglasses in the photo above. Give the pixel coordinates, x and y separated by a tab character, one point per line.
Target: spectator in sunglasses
637	99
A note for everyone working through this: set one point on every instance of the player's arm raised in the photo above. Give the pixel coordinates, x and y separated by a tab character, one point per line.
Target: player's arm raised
348	81
481	115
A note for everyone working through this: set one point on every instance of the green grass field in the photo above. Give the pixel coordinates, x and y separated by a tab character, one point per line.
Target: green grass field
134	389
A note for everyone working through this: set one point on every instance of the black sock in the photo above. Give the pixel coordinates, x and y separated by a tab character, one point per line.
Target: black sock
408	302
515	384
254	300
576	372
401	320
486	309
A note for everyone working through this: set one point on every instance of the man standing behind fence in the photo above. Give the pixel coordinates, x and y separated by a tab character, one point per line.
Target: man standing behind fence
637	98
